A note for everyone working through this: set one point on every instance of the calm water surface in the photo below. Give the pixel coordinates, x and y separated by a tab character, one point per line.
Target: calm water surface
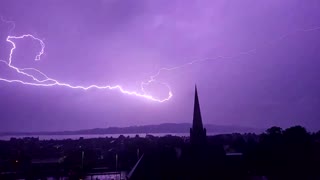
88	136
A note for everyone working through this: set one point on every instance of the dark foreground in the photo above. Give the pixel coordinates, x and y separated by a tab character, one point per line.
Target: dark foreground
276	154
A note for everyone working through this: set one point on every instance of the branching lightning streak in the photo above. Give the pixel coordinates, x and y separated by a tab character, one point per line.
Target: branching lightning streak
48	82
243	53
52	82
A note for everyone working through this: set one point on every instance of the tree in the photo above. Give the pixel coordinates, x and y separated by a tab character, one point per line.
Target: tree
274	130
298	150
296	135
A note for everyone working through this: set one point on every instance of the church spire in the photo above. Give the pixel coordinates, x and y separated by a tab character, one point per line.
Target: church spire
198	134
197	120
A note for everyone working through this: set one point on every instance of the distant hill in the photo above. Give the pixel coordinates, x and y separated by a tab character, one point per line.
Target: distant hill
161	128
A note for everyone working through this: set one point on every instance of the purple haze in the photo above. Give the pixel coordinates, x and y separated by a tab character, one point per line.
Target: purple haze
125	41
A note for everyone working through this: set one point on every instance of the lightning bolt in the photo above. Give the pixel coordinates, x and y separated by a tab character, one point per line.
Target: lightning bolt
238	55
48	82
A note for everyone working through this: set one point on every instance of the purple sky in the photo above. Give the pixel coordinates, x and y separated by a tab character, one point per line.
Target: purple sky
110	42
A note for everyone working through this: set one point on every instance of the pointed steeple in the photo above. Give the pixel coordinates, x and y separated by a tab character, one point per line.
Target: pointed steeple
197	120
198	134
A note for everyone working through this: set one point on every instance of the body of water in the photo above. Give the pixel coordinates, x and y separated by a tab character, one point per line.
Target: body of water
88	136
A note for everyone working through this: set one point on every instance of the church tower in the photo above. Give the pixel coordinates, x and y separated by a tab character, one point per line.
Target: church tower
198	134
